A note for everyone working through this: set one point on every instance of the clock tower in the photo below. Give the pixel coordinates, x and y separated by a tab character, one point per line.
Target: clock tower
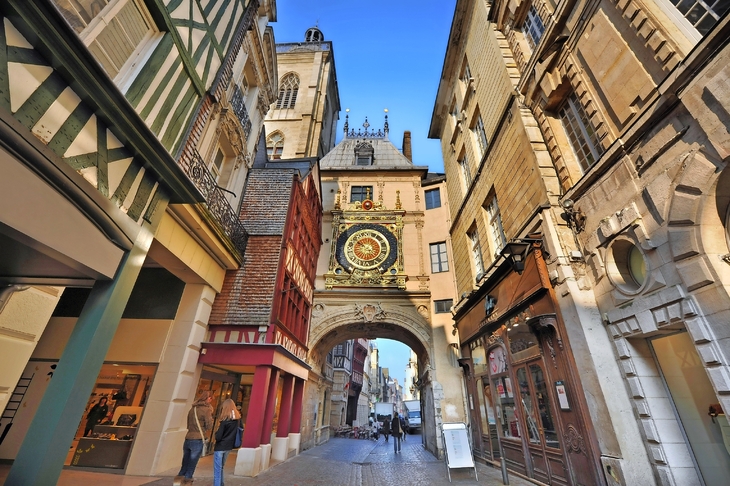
366	245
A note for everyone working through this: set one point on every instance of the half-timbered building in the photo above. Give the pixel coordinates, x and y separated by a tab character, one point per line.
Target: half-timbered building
127	131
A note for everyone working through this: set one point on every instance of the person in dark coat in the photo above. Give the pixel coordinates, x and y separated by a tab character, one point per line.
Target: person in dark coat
225	437
403	427
95	415
386	428
395	429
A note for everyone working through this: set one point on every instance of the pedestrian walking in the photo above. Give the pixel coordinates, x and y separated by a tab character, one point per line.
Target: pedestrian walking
386	428
200	423
403	427
95	415
225	437
396	430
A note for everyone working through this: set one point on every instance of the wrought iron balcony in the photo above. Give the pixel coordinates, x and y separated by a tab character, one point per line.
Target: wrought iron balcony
239	108
216	204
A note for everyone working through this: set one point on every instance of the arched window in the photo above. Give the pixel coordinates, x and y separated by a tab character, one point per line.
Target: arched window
275	145
288	88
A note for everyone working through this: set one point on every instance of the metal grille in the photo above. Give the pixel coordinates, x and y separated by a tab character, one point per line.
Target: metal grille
216	204
238	103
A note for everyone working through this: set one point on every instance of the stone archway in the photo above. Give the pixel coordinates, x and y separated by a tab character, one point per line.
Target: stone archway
367	316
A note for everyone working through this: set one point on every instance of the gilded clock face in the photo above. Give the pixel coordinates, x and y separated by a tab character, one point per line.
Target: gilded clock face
366	249
366	246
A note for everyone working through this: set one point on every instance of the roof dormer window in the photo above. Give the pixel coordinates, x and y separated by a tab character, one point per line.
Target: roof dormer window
364	154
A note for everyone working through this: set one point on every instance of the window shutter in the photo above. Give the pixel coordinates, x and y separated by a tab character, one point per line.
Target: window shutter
116	43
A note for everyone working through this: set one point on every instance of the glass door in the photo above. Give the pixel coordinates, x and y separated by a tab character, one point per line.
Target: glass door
538	419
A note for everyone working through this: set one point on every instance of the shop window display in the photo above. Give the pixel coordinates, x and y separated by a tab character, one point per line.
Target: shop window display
109	425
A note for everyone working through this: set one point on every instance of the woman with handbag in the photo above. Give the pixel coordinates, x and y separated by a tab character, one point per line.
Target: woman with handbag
200	422
225	438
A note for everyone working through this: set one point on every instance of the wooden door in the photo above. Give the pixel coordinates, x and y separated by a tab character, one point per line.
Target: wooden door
558	379
543	444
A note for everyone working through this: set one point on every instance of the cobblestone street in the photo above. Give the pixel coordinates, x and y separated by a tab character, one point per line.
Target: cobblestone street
339	462
350	462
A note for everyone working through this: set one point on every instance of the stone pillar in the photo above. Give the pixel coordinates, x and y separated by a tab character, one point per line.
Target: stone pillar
282	429
45	447
280	445
252	458
297	405
257	407
295	436
159	439
270	407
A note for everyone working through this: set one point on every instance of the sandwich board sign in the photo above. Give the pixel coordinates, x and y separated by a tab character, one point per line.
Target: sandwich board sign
458	451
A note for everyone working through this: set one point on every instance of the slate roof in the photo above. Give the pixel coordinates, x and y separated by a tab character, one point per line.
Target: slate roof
386	156
266	200
247	293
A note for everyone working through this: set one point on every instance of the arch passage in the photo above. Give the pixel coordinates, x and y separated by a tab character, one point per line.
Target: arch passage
400	320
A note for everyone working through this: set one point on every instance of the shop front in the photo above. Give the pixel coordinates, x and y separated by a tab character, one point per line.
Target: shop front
524	393
271	401
106	434
223	384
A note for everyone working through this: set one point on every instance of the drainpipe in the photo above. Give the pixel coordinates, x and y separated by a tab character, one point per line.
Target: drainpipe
7	292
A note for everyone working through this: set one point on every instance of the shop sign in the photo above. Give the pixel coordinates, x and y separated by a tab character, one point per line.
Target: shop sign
562	395
291	346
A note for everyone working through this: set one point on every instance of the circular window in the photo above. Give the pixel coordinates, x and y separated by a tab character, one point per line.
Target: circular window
626	266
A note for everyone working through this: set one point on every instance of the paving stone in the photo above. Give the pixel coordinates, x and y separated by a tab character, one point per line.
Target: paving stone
339	462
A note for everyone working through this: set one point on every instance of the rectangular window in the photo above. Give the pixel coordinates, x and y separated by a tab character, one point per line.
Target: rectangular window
439	260
454	110
480	135
360	193
580	131
443	306
533	27
476	251
433	198
115	31
496	229
702	14
466	74
465	171
363	160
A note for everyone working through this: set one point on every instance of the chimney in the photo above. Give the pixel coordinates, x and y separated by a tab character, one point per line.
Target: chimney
407	145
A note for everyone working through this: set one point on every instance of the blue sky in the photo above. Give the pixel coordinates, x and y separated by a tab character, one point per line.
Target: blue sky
388	54
394	356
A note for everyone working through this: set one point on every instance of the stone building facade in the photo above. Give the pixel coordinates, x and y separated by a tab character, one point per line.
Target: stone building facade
629	111
386	262
303	120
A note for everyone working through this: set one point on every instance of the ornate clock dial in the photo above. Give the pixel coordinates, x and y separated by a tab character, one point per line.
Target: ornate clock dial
366	247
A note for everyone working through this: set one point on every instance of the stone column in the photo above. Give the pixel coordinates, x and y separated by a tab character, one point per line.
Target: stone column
159	439
249	457
280	445
295	436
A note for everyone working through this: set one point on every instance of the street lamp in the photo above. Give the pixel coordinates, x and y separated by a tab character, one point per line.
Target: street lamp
516	252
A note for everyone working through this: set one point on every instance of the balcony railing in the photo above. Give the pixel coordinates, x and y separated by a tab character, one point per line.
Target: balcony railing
238	103
216	204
